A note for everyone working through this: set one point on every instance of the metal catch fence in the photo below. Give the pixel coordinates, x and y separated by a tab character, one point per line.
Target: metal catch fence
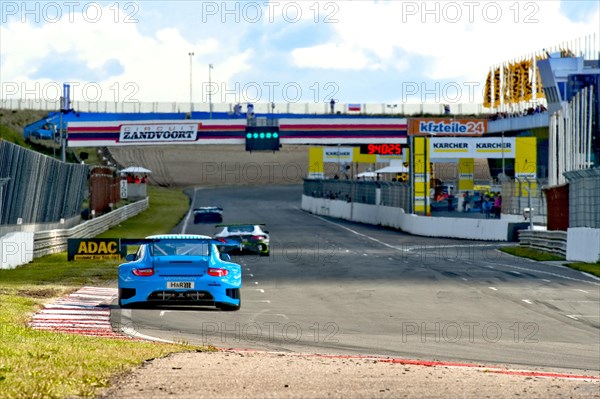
521	194
394	194
584	198
35	188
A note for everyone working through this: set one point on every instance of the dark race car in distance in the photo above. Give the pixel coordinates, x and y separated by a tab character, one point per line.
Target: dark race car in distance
208	214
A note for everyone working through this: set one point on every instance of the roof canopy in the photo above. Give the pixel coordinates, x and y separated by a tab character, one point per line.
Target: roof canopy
396	166
136	169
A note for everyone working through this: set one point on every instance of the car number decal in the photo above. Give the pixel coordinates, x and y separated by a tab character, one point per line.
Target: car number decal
180	284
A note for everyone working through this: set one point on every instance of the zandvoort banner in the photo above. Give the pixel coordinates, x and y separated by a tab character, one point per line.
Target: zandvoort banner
158	132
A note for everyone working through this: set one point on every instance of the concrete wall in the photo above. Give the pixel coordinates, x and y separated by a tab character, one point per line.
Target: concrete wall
583	244
473	229
16	249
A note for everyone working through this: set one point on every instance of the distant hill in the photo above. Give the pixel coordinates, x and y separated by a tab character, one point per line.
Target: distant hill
12	123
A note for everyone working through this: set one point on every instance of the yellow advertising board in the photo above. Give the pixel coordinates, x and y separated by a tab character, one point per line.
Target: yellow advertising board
94	249
422	171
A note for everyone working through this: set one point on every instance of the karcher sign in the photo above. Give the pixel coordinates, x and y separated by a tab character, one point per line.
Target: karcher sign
447	127
158	132
457	147
338	154
95	249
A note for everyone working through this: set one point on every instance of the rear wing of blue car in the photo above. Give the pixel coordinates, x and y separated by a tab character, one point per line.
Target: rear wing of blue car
176	246
239	224
145	241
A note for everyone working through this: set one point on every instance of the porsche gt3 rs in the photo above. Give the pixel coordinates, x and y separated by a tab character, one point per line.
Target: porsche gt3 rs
251	237
180	269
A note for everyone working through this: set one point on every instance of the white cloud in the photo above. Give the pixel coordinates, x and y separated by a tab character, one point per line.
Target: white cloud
155	68
399	38
331	56
443	32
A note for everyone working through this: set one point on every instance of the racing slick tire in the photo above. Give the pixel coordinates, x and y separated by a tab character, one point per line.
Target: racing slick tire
226	307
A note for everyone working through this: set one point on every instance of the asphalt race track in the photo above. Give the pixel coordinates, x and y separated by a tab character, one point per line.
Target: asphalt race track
343	288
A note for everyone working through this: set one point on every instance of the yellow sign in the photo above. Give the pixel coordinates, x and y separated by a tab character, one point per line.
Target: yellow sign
421	175
95	249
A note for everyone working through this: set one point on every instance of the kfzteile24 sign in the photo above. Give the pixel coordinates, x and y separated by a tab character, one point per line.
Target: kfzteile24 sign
447	127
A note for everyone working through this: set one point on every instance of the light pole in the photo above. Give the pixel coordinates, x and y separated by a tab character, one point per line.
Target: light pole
191	54
502	145
210	66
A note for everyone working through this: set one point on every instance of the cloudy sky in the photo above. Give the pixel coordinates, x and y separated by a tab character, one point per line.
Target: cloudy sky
263	51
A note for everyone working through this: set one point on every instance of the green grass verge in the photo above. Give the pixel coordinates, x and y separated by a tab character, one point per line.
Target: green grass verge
167	208
592	268
10	135
40	364
530	253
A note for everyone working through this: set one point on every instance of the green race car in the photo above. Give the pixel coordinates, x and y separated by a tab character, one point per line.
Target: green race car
251	237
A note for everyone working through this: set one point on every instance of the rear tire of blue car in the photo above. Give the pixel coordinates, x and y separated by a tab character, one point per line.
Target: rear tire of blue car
226	307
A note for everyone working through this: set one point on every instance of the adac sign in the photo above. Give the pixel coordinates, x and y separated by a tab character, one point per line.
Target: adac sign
447	127
95	249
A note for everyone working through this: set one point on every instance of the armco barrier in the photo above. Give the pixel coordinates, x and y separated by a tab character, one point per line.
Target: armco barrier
549	241
54	241
32	228
471	229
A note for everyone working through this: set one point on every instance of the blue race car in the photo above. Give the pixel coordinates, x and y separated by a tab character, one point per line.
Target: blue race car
180	269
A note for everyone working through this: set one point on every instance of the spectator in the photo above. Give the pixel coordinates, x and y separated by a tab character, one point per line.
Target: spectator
497	206
237	110
487	207
466	202
450	199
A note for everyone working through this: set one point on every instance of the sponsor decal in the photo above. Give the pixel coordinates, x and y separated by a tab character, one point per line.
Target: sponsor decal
460	147
338	154
158	132
493	147
482	147
526	175
447	127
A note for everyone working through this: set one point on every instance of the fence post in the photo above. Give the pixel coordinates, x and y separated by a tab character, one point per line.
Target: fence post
3	181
